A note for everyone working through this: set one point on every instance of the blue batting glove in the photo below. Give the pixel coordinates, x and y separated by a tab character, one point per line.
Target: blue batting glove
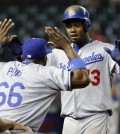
115	54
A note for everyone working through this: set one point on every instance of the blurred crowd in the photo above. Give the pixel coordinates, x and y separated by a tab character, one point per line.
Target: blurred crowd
31	16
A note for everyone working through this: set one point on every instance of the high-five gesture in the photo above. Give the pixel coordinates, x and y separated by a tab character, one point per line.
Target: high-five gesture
115	54
5	28
59	40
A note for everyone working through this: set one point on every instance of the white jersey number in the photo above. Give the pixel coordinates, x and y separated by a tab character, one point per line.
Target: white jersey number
12	94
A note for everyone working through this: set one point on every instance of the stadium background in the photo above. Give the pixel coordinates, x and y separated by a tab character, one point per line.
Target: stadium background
31	16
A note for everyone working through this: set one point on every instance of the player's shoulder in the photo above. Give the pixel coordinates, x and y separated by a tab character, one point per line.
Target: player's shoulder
56	53
96	44
55	50
4	65
101	44
48	71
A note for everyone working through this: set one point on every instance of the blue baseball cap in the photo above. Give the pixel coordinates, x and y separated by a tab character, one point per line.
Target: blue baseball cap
35	48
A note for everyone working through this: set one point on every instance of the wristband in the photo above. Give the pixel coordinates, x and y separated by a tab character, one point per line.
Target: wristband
76	63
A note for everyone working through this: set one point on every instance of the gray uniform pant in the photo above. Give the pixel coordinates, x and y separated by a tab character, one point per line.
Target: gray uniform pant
95	124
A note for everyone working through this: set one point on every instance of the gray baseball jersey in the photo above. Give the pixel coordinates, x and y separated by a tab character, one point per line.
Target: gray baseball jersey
97	96
27	90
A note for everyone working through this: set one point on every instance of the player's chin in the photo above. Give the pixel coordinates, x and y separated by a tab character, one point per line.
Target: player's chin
74	40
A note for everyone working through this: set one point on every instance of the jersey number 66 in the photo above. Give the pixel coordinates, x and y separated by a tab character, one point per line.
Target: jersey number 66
12	94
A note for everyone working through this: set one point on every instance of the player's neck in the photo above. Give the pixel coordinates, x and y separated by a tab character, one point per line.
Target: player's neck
28	60
84	41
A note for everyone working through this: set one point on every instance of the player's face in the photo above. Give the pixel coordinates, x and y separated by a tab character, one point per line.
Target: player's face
75	30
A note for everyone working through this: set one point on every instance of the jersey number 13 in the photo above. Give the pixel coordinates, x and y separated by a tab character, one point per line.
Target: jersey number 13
96	77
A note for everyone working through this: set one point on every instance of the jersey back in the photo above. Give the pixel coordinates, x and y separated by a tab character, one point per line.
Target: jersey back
27	90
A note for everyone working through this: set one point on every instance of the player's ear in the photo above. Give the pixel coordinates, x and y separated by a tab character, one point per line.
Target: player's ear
45	60
20	58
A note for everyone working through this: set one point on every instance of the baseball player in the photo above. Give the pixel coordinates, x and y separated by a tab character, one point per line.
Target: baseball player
86	111
28	88
5	27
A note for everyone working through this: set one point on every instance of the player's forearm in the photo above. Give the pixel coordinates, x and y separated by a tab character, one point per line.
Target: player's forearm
80	79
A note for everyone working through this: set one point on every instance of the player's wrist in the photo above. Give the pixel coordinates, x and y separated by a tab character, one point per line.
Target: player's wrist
67	48
76	63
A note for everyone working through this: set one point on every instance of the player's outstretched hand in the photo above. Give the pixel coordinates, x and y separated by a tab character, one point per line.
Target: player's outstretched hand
115	54
5	28
17	126
58	39
6	124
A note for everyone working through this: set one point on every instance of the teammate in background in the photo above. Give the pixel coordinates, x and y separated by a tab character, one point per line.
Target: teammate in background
115	119
5	27
86	111
28	88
